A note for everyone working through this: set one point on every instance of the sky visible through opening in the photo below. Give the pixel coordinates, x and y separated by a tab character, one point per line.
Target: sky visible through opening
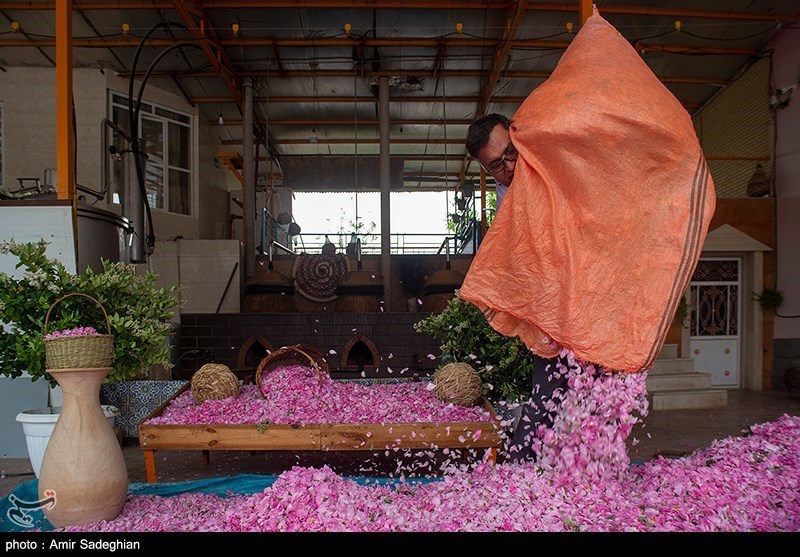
418	219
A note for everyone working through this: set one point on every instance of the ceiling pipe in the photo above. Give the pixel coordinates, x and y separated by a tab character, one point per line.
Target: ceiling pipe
248	184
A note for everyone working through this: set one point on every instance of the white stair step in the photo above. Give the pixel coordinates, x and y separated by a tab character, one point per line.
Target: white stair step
689	400
669	351
672	365
678	381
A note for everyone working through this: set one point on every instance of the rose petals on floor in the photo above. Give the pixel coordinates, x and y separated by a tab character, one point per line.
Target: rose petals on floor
747	483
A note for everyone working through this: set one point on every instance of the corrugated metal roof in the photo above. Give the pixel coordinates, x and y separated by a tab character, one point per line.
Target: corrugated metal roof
310	73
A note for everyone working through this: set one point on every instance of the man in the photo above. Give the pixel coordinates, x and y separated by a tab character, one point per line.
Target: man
489	142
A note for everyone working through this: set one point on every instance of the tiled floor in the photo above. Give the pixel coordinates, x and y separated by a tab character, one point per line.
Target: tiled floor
665	432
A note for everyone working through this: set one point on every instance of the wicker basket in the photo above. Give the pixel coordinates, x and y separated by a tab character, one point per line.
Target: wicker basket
214	382
85	351
299	354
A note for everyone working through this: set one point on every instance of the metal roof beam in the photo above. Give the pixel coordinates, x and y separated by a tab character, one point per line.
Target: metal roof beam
509	74
507	100
402	4
349	123
204	33
506	45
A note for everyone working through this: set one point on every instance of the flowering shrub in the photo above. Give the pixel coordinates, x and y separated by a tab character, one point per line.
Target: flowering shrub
139	312
748	483
76	332
294	396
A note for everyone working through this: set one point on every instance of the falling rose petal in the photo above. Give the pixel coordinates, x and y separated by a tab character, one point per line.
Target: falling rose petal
431	357
477	434
331	351
430	386
390	356
472	356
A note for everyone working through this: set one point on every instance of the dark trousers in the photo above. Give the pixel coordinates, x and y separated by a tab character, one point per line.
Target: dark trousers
549	380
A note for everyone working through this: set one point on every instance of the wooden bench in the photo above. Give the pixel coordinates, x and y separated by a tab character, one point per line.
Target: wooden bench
314	437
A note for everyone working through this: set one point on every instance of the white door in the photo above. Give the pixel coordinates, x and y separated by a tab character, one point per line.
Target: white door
714	319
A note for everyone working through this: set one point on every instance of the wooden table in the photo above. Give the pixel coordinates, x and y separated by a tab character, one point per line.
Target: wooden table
314	437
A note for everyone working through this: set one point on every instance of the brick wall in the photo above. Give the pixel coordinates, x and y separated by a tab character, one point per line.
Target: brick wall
736	125
398	344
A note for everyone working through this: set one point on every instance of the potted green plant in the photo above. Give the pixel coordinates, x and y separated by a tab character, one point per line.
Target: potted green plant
138	312
138	317
769	299
505	364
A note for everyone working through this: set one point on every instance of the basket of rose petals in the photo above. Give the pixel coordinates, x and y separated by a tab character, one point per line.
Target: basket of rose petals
80	347
298	354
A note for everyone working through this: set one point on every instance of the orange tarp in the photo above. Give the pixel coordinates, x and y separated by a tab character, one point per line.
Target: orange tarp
598	236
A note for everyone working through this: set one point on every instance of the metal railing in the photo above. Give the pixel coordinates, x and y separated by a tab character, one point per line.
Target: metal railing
400	244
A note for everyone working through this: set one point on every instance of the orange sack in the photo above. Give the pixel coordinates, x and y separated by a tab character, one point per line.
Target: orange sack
598	236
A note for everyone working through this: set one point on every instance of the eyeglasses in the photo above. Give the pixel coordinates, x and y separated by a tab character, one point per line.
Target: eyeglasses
510	155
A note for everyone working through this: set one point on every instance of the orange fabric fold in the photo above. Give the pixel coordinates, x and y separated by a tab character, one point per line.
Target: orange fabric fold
598	236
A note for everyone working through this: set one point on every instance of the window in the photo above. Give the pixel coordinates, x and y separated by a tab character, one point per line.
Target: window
166	139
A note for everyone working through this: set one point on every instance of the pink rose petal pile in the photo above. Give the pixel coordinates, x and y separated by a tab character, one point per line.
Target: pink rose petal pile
596	415
294	396
582	480
748	483
76	332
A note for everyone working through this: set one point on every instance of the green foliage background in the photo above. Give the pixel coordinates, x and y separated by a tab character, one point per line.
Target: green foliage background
139	312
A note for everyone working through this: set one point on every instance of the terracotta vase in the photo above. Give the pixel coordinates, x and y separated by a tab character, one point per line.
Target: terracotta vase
83	464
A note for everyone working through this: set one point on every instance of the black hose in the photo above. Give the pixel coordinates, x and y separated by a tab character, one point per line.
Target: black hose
133	116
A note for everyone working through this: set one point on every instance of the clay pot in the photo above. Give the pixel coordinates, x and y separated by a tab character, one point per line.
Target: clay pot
83	464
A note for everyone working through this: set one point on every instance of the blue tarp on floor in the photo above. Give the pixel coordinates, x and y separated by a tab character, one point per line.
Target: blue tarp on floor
16	514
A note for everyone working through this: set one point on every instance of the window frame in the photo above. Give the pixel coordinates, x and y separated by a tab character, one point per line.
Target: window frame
164	115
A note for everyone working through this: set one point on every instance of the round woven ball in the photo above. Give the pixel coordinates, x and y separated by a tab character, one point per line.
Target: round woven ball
458	383
214	382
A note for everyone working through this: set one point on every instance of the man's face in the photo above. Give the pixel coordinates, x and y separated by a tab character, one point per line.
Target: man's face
498	156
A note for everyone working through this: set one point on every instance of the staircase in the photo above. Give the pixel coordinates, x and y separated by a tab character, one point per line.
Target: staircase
672	384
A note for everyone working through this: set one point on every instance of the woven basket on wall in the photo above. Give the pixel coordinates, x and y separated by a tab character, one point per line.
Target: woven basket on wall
84	351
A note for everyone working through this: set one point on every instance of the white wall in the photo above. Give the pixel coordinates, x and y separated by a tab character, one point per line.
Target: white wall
29	101
28	96
786	71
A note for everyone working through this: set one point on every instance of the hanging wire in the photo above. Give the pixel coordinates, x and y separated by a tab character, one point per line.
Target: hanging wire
444	127
355	128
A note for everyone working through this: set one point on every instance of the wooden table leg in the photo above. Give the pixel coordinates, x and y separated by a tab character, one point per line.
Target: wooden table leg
206	457
150	465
